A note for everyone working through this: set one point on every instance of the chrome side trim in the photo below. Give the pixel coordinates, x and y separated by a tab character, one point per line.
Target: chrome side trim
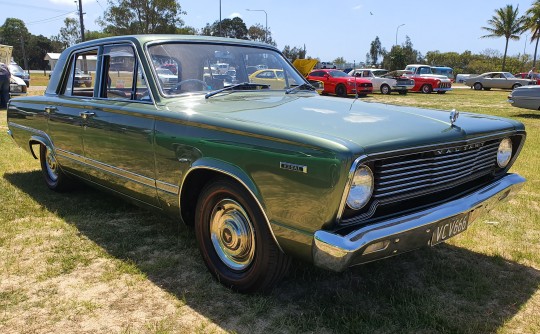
168	188
244	185
134	177
401	234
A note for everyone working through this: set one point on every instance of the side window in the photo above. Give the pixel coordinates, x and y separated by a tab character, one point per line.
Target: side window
81	78
119	69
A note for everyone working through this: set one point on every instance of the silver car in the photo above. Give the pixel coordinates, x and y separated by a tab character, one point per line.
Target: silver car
501	80
525	97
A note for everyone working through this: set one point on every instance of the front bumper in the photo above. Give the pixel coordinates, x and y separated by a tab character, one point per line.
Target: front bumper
402	234
442	89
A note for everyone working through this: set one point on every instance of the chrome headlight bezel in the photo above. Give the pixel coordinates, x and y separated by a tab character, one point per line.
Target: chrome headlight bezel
504	153
360	188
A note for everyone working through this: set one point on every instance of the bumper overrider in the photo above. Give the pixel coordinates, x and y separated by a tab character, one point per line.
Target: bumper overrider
402	234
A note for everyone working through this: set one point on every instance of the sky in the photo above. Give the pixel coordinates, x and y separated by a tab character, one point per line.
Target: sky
328	29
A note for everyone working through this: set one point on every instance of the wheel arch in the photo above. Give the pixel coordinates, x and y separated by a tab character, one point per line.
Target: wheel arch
207	169
39	140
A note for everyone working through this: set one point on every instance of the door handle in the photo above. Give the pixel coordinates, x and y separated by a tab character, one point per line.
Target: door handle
50	109
87	114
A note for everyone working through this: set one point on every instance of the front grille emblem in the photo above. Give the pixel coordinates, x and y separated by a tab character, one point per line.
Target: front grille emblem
454	114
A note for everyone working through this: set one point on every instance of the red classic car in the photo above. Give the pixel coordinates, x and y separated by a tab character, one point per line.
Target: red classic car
425	81
340	83
524	75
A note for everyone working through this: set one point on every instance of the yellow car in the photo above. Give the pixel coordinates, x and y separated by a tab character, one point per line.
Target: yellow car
272	77
305	66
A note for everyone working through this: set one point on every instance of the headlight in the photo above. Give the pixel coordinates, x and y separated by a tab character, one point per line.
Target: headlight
504	153
361	188
15	88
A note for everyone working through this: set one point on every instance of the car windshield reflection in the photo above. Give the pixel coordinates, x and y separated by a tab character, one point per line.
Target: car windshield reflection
202	68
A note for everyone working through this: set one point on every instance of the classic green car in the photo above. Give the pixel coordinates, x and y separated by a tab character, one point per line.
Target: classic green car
263	173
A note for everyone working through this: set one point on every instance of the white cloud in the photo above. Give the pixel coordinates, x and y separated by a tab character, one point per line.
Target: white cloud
233	15
357	7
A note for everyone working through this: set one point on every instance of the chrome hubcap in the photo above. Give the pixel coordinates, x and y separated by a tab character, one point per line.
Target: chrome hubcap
52	165
232	234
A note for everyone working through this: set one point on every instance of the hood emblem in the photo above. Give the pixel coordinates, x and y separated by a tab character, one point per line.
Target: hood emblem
454	114
293	167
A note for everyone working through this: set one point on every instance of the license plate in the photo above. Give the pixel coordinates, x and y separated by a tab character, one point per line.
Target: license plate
450	227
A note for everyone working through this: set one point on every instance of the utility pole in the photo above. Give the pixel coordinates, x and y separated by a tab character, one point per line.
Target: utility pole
81	20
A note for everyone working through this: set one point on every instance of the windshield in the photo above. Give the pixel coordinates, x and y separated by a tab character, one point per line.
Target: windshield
206	67
15	69
338	74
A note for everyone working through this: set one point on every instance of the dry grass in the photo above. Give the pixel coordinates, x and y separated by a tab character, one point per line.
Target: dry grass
90	263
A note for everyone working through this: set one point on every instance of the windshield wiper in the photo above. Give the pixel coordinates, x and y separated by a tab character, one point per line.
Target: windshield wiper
240	86
302	86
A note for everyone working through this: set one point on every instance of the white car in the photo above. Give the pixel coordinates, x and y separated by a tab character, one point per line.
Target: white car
387	83
17	86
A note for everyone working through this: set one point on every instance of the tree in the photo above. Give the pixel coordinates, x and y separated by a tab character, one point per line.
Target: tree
339	62
232	28
401	55
14	32
38	47
532	23
505	23
294	53
258	33
69	34
124	17
374	51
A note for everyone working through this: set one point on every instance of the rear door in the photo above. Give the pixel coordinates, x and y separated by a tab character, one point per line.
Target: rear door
64	112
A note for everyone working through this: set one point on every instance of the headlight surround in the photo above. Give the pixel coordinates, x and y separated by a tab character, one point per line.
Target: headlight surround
361	188
504	153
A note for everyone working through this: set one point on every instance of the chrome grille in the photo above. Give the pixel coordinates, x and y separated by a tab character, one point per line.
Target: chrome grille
424	173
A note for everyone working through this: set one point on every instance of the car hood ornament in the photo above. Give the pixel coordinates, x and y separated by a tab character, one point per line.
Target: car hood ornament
454	114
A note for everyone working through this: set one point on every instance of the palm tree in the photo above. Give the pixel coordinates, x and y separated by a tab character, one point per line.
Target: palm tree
507	23
532	23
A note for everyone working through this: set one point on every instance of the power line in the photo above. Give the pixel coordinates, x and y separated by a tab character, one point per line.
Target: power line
29	6
50	19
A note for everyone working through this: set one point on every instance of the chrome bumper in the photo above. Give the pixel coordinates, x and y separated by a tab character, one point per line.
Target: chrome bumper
336	252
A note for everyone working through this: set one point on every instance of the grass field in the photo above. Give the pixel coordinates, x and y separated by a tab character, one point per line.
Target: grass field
87	262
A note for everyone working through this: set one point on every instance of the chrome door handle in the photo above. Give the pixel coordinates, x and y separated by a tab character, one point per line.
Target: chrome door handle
87	114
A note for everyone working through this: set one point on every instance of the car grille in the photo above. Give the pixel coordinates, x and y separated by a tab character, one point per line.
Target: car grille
367	84
417	174
445	85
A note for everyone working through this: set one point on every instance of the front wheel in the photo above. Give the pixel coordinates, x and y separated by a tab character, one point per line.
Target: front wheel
385	89
426	89
516	86
234	239
477	86
54	177
341	91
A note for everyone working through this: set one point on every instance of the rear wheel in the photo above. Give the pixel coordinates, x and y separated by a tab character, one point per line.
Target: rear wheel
385	89
426	89
54	177
477	86
234	239
341	91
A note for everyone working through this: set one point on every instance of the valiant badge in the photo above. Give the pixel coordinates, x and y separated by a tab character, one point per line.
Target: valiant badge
453	116
293	167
